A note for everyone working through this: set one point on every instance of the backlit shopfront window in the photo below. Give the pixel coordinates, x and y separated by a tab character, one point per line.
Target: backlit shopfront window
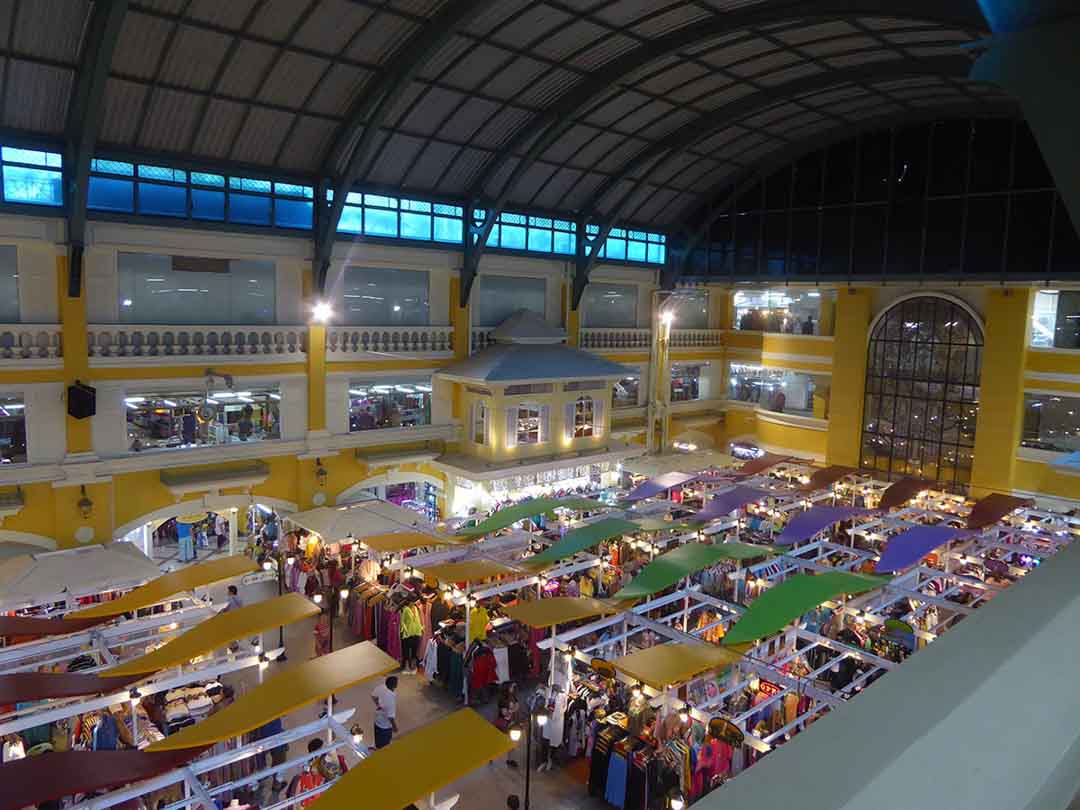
778	390
1051	423
390	403
685	383
788	311
12	429
179	420
1055	320
624	394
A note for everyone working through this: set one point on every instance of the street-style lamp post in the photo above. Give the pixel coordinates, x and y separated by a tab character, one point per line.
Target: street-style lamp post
541	718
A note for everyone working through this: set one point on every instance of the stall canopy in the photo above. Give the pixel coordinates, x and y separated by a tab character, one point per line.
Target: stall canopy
702	459
584	537
907	548
34	780
286	692
993	508
52	575
726	502
360	520
391	542
218	632
901	492
23	687
670	664
784	603
184	580
826	477
558	609
659	485
670	568
760	464
655	524
806	524
528	509
467	571
418	764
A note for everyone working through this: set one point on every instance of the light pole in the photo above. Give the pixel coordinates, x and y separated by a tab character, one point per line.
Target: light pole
515	734
280	590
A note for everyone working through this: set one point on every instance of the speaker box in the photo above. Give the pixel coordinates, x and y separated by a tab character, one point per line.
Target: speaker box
81	400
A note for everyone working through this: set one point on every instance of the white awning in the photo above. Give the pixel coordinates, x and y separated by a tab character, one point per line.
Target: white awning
361	519
694	462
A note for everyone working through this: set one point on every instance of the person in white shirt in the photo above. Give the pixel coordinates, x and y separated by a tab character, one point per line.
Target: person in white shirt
385	711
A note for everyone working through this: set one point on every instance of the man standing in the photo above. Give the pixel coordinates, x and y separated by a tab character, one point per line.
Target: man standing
385	711
235	602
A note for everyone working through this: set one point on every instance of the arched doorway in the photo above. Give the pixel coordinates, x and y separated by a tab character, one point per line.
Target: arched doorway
922	390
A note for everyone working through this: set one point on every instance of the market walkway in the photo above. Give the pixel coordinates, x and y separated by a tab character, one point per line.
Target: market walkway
420	704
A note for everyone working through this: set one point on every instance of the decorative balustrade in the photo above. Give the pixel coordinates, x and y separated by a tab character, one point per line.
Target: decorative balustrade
690	338
603	339
254	342
342	342
482	338
30	341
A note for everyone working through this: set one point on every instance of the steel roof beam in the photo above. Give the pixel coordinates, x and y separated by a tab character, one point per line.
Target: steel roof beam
348	157
85	114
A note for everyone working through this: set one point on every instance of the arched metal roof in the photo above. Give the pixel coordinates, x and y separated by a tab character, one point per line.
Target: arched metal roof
579	105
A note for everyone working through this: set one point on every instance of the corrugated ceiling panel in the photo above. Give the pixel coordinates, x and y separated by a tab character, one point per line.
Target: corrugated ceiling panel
462	173
864	58
616	108
218	127
168	6
668	124
496	15
414	94
430	166
644	116
337	91
840	45
6	12
228	15
50	28
123	106
666	21
559	184
772	114
738	52
765	64
499	129
797	71
169	121
309	141
427	116
495	178
532	181
810	33
697	91
538	21
625	13
194	58
277	17
37	96
332	25
440	61
382	37
292	78
715	144
578	36
468	119
549	88
661	206
141	40
261	136
613	160
605	50
678	74
397	156
578	193
249	61
481	61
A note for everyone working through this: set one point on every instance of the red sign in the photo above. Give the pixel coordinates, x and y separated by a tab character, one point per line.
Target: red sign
770	688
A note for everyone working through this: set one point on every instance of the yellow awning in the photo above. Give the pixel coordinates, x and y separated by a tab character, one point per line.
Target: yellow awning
669	664
418	764
218	631
389	542
470	571
285	692
157	590
558	609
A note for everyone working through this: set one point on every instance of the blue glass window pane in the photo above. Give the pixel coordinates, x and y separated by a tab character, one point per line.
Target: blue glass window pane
615	248
617	233
32	156
203	179
495	237
208	204
540	240
352	219
563	243
249	184
563	225
656	253
162	173
448	230
415	205
105	194
112	167
169	201
513	219
635	251
244	208
415	226
36	186
382	202
378	222
513	237
353	197
293	190
448	210
293	213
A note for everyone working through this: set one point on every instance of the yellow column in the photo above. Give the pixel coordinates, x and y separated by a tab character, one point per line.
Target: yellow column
853	310
828	314
76	354
1001	394
459	319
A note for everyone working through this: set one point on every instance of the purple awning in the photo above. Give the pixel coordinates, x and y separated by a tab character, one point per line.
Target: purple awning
907	548
760	464
902	491
806	524
826	477
993	508
662	483
727	502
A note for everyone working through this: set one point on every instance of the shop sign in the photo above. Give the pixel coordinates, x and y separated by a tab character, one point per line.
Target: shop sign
770	688
722	729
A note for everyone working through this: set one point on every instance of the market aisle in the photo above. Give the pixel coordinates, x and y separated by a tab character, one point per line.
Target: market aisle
418	705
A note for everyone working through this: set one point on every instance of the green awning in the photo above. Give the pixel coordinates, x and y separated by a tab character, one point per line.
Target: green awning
537	506
777	607
654	524
582	538
668	569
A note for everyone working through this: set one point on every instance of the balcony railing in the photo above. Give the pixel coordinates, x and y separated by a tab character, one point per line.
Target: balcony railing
692	338
603	339
241	343
30	341
482	338
345	342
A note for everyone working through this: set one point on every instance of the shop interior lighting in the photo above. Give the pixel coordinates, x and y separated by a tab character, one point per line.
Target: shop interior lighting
317	598
276	396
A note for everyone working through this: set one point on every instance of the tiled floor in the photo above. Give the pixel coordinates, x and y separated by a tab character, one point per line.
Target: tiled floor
419	704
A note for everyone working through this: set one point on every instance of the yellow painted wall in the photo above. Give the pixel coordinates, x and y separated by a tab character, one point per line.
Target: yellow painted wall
1034	476
853	311
1001	400
744	340
799	440
1053	361
76	352
798	345
38	514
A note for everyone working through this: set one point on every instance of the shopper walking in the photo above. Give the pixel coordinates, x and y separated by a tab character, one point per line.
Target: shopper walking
385	711
412	629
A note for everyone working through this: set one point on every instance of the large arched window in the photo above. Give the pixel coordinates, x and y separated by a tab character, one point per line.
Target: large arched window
922	391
